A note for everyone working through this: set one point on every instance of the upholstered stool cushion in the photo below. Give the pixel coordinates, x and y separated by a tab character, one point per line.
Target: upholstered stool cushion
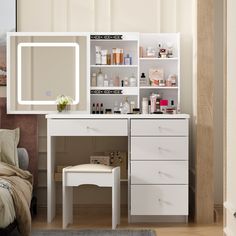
90	168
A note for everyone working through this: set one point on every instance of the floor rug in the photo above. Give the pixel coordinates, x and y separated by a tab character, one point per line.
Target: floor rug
93	233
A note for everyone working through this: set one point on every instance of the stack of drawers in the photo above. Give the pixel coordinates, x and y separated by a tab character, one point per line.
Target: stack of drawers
159	167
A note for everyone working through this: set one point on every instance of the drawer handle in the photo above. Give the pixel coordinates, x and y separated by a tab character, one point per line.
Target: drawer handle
90	128
234	214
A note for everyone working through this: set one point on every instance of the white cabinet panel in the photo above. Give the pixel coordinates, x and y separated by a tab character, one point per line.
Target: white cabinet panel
159	148
158	127
89	127
159	172
159	199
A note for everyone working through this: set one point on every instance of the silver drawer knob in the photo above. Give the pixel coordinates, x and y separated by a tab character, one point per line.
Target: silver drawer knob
159	172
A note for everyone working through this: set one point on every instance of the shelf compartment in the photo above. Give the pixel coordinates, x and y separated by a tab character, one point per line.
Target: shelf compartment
158	59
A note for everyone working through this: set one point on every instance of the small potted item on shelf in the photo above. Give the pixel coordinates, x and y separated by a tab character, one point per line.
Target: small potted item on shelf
63	103
155	75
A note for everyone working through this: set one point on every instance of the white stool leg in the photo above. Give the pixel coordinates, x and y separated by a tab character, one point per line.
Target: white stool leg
116	197
67	204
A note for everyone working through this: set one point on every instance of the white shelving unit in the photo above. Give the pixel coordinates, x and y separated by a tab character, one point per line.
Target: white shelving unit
130	45
131	42
169	65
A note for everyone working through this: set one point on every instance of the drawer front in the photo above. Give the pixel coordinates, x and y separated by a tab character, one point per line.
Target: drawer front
87	127
159	148
159	200
159	172
155	127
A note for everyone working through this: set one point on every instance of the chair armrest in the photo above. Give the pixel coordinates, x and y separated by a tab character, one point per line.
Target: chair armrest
23	158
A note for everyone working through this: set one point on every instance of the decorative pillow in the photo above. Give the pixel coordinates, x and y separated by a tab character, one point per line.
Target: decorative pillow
9	140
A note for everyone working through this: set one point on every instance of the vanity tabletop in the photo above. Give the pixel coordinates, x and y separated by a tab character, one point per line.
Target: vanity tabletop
77	115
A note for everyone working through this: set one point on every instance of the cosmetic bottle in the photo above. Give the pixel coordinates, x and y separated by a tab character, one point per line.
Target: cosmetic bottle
101	109
163	105
145	106
98	59
143	80
93	109
94	80
132	106
97	108
103	57
153	99
149	107
121	108
100	79
106	82
132	81
126	106
127	60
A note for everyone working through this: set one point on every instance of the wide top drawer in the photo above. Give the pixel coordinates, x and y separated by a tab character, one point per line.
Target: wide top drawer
87	127
159	127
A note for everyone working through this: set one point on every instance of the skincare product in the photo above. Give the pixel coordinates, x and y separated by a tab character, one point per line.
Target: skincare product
145	106
100	79
140	52
163	105
126	81
158	100
98	59
143	80
162	83
149	107
132	81
150	52
94	80
132	106
117	81
153	99
163	53
155	75
104	57
121	108
126	107
108	59
106	82
169	50
121	56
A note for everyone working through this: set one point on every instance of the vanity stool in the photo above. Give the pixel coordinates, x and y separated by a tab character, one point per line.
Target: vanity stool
96	174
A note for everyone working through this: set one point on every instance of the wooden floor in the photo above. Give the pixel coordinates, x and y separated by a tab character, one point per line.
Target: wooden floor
88	219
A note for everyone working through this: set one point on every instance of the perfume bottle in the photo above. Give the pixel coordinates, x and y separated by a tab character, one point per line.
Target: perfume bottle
128	60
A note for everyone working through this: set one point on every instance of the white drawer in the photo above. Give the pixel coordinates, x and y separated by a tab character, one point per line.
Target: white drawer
87	127
159	200
159	148
159	172
158	127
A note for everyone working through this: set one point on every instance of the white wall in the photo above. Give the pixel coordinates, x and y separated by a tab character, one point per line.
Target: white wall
115	15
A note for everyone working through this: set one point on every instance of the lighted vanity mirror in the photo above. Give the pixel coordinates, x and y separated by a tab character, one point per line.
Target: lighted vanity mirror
43	66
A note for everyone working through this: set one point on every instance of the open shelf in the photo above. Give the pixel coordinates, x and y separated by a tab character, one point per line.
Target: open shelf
158	59
157	87
114	66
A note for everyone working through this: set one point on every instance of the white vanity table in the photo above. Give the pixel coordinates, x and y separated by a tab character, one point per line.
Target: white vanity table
157	144
157	158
